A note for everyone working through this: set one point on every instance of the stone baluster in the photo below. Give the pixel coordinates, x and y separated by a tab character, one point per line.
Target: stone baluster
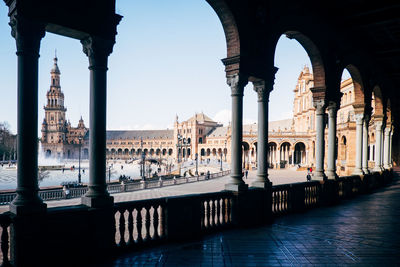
332	112
378	145
237	82
365	145
359	138
97	50
320	140
28	35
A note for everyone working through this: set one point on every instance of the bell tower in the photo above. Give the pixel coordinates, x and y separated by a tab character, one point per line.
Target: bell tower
54	123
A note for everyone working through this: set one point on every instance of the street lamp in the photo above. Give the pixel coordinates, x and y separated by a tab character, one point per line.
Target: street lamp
79	164
221	161
225	151
197	160
142	170
179	147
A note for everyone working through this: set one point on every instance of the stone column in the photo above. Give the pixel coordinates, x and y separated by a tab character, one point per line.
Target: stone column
390	148
365	146
332	112
262	139
378	145
386	148
359	146
28	35
320	140
97	51
237	83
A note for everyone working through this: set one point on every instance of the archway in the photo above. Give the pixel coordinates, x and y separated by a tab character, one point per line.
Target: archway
285	155
300	153
272	155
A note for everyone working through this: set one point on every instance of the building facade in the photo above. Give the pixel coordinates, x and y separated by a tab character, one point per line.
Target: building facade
291	142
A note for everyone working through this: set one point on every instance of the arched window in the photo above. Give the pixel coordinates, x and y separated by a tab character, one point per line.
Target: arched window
200	140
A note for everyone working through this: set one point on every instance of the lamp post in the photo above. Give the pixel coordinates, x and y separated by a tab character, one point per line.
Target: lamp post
179	147
79	163
142	170
225	151
197	161
221	161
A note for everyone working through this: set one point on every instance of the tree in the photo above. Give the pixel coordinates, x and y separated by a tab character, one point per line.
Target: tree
8	142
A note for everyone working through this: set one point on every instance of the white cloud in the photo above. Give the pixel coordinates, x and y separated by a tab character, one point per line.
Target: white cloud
136	127
223	116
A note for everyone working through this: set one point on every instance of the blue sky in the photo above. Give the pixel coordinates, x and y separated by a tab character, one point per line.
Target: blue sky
166	61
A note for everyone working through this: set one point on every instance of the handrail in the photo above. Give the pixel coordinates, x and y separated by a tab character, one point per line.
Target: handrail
58	193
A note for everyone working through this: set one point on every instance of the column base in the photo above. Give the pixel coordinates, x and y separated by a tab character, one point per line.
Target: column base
236	187
366	171
358	172
331	175
319	175
97	202
27	205
22	210
262	184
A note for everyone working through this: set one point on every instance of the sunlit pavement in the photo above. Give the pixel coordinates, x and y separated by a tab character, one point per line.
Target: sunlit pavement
363	231
214	185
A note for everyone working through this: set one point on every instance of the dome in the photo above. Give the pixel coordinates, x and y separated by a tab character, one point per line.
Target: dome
55	68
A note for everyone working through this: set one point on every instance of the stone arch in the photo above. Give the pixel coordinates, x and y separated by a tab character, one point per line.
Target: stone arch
132	151
170	151
359	96
377	102
313	53
126	151
214	152
388	112
164	152
343	148
208	152
202	152
229	25
119	151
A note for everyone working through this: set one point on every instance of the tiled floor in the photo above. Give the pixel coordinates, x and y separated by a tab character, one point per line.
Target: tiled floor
364	231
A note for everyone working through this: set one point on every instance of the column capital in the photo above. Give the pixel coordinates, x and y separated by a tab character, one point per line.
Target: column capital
387	131
378	124
97	50
27	33
262	89
237	82
332	109
320	106
359	118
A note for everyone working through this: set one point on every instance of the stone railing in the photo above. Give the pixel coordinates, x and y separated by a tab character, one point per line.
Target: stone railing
135	224
152	221
113	188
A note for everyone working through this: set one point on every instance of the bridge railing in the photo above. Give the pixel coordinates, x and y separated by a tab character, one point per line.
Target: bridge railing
113	188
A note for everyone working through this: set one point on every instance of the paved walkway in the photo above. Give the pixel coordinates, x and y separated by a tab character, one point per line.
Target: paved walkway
214	185
363	231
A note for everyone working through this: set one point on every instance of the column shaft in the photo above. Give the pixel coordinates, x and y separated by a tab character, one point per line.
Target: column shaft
237	84
365	146
386	148
378	145
359	138
97	51
391	148
262	139
331	170
28	36
320	141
